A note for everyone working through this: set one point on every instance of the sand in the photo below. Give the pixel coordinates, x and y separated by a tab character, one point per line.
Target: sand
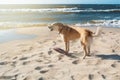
35	59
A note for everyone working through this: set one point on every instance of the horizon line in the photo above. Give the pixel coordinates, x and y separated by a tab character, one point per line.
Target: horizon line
60	3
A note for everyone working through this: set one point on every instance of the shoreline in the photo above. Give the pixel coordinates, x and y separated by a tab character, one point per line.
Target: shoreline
91	23
28	31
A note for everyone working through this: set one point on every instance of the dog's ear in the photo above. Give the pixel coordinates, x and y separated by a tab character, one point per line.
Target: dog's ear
69	29
57	24
60	24
60	27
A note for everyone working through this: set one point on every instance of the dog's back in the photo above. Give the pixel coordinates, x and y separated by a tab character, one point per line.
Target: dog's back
70	33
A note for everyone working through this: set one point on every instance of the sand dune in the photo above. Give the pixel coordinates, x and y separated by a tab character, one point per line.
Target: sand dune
41	58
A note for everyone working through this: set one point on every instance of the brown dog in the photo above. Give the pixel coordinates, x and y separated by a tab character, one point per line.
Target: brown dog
73	33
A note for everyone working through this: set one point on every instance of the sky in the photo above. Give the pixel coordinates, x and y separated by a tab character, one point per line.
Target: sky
59	1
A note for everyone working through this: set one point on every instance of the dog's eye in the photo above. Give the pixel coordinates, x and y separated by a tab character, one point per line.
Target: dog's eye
51	29
49	26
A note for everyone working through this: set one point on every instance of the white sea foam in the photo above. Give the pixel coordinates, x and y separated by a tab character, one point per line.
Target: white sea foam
39	10
106	23
74	9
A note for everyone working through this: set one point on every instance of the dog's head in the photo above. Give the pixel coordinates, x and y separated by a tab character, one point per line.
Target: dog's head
55	26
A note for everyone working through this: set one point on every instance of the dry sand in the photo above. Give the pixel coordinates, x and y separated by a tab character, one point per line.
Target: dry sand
35	59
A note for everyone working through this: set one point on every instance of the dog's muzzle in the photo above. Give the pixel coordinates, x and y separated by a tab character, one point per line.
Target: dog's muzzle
51	29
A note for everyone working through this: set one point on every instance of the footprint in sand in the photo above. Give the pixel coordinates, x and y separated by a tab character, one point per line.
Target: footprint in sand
30	48
33	55
41	78
41	54
24	50
6	78
113	50
13	63
50	65
23	58
10	77
103	76
54	43
44	71
4	63
60	57
38	68
39	61
113	65
26	62
90	76
110	32
50	52
72	77
15	58
75	61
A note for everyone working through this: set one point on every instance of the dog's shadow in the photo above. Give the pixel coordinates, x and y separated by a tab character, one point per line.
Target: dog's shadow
109	57
61	51
102	56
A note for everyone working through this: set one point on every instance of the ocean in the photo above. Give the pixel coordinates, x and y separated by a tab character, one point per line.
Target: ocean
78	14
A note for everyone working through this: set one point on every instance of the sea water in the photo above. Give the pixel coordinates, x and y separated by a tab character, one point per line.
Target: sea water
107	15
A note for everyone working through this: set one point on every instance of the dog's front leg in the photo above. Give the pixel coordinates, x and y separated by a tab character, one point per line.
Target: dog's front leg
66	47
84	49
88	54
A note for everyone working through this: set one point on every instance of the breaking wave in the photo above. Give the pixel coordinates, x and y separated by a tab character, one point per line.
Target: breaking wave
74	9
106	23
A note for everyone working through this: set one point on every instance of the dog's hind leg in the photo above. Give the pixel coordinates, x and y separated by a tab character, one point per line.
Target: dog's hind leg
84	45
88	48
84	49
89	45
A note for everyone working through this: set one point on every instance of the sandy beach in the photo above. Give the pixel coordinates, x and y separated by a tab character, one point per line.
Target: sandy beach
35	59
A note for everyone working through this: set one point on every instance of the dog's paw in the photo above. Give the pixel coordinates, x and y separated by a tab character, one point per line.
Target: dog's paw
88	55
84	57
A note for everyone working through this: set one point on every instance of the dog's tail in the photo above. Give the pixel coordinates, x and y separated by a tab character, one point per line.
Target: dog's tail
98	31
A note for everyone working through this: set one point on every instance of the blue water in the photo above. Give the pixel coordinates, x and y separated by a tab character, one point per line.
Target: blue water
10	35
83	14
